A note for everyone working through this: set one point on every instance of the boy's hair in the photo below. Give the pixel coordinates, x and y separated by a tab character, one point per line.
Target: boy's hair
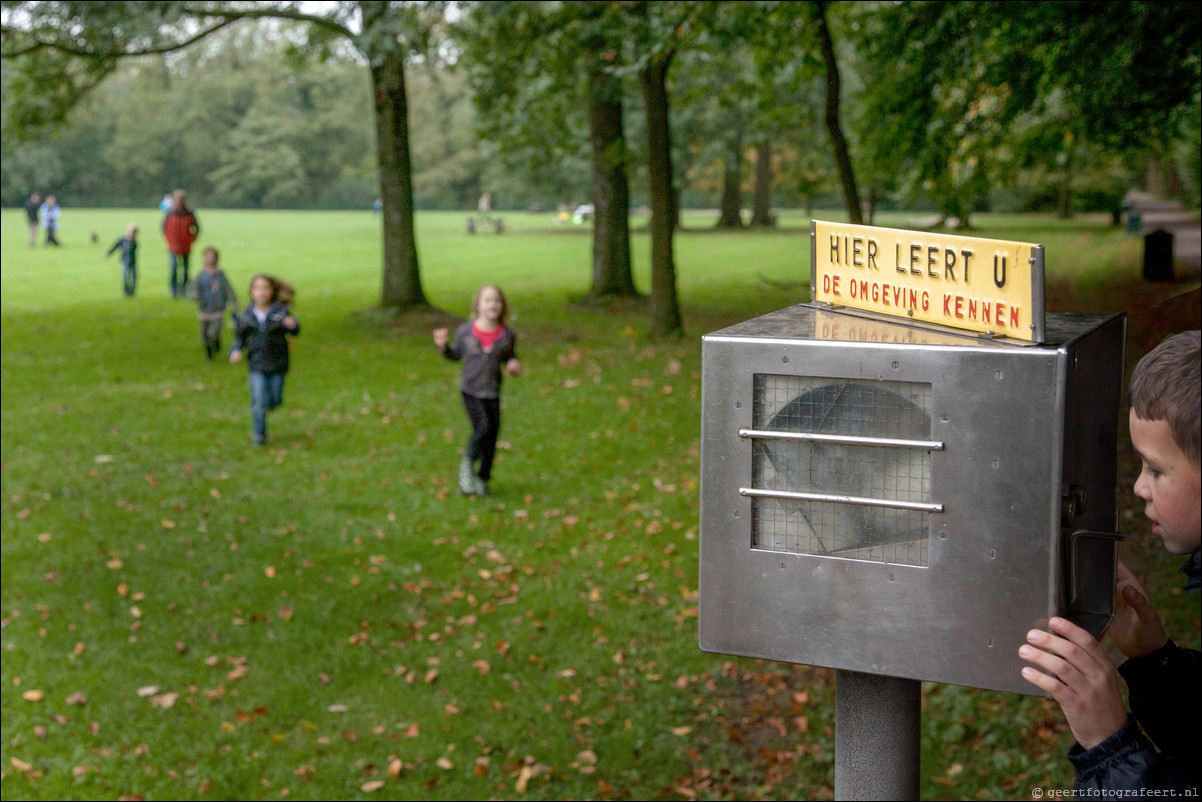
216	256
1166	386
476	302
281	291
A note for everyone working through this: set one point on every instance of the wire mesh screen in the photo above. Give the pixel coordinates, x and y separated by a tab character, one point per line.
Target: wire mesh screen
877	532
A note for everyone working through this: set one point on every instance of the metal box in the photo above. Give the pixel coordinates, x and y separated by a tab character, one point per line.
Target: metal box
896	499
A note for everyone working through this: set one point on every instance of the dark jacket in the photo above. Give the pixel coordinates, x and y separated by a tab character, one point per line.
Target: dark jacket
181	229
482	370
265	347
1166	702
129	251
212	292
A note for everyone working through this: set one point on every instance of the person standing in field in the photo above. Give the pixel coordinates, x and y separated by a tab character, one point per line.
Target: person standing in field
180	228
31	212
485	345
262	331
213	294
128	245
48	214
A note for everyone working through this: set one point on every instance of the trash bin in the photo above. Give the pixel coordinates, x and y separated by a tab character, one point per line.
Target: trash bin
1135	222
1158	255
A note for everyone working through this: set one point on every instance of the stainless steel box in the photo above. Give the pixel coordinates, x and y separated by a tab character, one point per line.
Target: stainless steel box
894	499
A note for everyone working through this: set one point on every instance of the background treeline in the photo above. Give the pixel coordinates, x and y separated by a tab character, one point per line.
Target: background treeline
954	107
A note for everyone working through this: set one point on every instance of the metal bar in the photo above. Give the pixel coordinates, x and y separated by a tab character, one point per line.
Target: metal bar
795	495
843	439
877	725
1038	302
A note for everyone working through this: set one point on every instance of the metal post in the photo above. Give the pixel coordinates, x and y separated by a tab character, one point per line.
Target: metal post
876	736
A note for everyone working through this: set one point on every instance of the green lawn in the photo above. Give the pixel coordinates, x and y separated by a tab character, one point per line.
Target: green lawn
188	617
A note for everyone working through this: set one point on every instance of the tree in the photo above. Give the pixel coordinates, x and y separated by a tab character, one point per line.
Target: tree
534	66
65	49
959	94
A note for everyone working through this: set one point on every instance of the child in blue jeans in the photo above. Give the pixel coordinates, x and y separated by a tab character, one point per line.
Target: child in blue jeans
262	331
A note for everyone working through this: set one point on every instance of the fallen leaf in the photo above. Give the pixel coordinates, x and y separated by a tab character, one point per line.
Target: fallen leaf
372	785
32	696
77	698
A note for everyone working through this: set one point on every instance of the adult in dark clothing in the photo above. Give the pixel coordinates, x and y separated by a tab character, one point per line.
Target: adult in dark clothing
180	228
31	211
1112	756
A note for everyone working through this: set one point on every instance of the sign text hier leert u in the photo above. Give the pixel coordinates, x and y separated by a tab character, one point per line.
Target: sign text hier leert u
983	285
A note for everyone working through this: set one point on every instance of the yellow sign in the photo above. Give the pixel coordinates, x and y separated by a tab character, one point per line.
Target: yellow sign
984	285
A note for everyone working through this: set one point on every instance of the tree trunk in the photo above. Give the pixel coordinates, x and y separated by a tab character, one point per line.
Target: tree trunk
842	158
1064	199
612	273
402	280
665	309
761	204
730	210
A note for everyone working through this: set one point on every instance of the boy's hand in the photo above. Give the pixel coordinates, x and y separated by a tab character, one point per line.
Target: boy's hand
441	337
1136	628
1083	681
513	366
290	322
235	356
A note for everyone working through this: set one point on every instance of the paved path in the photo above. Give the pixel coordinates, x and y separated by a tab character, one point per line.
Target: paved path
1186	227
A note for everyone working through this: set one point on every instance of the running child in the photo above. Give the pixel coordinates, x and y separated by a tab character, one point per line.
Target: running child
485	345
213	294
262	331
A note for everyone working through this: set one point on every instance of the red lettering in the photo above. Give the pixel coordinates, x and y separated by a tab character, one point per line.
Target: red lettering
972	309
960	306
1013	317
947	305
864	289
1001	314
926	301
876	293
835	291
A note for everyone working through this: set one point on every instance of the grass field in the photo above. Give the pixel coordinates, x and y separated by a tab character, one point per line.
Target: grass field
188	617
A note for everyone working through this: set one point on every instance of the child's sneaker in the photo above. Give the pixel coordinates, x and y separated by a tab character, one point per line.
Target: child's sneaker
481	486
467	483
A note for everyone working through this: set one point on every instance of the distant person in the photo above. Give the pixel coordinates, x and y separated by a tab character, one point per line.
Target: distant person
262	331
48	215
128	245
181	229
377	206
485	345
31	211
213	294
1114	754
484	206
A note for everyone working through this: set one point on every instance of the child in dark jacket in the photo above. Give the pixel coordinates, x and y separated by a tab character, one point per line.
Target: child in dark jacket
485	345
128	245
262	331
213	294
1114	753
